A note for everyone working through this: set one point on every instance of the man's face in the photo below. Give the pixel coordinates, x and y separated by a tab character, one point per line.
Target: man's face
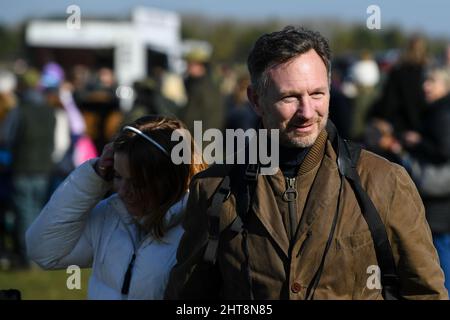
296	100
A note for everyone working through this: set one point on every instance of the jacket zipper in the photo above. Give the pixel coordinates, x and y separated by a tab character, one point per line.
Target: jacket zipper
290	196
129	273
127	278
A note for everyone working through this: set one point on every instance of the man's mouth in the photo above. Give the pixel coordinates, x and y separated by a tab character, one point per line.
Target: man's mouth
304	127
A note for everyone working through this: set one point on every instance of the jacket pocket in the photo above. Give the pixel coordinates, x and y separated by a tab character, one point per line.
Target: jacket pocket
360	259
355	241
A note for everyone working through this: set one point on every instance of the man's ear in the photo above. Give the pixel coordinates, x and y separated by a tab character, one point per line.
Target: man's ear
253	97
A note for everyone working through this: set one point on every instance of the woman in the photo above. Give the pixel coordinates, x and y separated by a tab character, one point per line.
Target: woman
129	239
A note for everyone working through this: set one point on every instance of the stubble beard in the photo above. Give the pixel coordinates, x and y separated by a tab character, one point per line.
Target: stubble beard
291	139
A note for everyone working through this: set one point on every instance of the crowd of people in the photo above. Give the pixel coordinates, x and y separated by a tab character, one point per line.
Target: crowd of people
52	120
124	208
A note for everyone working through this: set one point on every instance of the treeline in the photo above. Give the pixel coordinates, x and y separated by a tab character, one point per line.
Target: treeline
11	42
232	39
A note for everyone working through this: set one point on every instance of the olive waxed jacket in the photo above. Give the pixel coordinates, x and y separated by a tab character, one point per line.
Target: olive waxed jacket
283	269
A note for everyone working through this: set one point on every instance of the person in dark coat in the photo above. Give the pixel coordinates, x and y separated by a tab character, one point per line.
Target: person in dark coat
402	101
29	133
240	114
205	102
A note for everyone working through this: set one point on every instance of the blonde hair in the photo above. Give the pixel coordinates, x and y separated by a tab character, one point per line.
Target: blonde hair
441	72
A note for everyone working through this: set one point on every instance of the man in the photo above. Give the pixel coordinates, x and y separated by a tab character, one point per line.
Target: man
304	235
29	133
204	101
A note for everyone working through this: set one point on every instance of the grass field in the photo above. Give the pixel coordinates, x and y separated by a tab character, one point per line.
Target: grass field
36	284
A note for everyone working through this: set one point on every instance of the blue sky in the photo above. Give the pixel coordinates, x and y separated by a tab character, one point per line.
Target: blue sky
430	16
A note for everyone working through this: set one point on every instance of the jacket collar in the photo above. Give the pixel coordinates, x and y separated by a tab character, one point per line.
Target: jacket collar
315	154
172	217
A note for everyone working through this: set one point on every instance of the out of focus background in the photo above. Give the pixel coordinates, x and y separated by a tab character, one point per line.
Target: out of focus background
73	72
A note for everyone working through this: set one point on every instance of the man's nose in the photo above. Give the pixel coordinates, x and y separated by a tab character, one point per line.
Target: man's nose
305	108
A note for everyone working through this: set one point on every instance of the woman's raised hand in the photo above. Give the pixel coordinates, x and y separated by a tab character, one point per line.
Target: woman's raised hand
104	166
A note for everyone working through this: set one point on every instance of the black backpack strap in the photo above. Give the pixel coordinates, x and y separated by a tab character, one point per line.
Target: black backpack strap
213	214
243	205
347	161
250	177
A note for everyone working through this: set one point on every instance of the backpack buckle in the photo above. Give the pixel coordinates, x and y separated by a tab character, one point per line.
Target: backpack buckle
252	172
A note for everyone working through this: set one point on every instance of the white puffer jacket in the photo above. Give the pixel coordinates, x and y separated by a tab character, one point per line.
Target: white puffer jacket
76	228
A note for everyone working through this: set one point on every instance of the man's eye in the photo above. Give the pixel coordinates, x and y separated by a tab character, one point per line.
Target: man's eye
317	95
289	99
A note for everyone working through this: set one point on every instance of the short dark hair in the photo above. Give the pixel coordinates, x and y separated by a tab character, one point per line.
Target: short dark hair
281	46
